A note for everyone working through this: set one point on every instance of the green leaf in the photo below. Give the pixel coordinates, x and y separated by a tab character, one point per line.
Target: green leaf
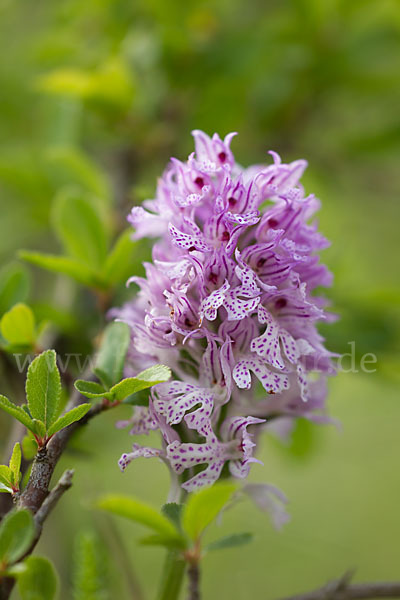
75	414
120	261
155	374
144	380
92	389
38	581
204	506
80	228
6	479
63	264
139	512
15	464
43	388
14	286
18	325
5	474
16	411
17	531
111	357
230	541
173	512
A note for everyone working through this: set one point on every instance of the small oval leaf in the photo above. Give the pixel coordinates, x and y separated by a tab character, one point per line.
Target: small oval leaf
43	388
15	463
6	478
70	417
143	381
17	531
18	326
38	581
139	512
204	506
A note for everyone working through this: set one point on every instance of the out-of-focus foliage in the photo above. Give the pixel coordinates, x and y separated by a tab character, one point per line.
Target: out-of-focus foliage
95	97
16	536
90	568
99	96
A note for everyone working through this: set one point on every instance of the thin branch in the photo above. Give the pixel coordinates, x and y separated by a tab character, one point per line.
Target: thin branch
342	589
194	581
64	483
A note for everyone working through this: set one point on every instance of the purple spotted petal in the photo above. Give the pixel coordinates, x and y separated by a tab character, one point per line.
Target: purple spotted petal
187	241
185	456
137	452
267	346
210	305
303	382
289	346
251	218
174	400
239	308
273	383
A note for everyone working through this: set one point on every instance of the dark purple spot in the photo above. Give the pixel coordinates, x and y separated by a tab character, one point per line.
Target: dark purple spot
225	236
280	303
232	202
199	181
260	263
192	248
188	322
222	156
273	223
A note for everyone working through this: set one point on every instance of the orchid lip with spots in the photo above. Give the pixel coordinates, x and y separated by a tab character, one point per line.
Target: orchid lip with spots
229	304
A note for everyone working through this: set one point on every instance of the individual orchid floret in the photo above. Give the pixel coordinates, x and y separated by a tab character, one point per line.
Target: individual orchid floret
177	400
236	448
137	451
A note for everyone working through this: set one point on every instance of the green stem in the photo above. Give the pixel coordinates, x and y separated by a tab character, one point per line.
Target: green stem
172	576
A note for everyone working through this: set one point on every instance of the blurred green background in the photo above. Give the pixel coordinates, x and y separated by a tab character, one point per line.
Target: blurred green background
98	95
